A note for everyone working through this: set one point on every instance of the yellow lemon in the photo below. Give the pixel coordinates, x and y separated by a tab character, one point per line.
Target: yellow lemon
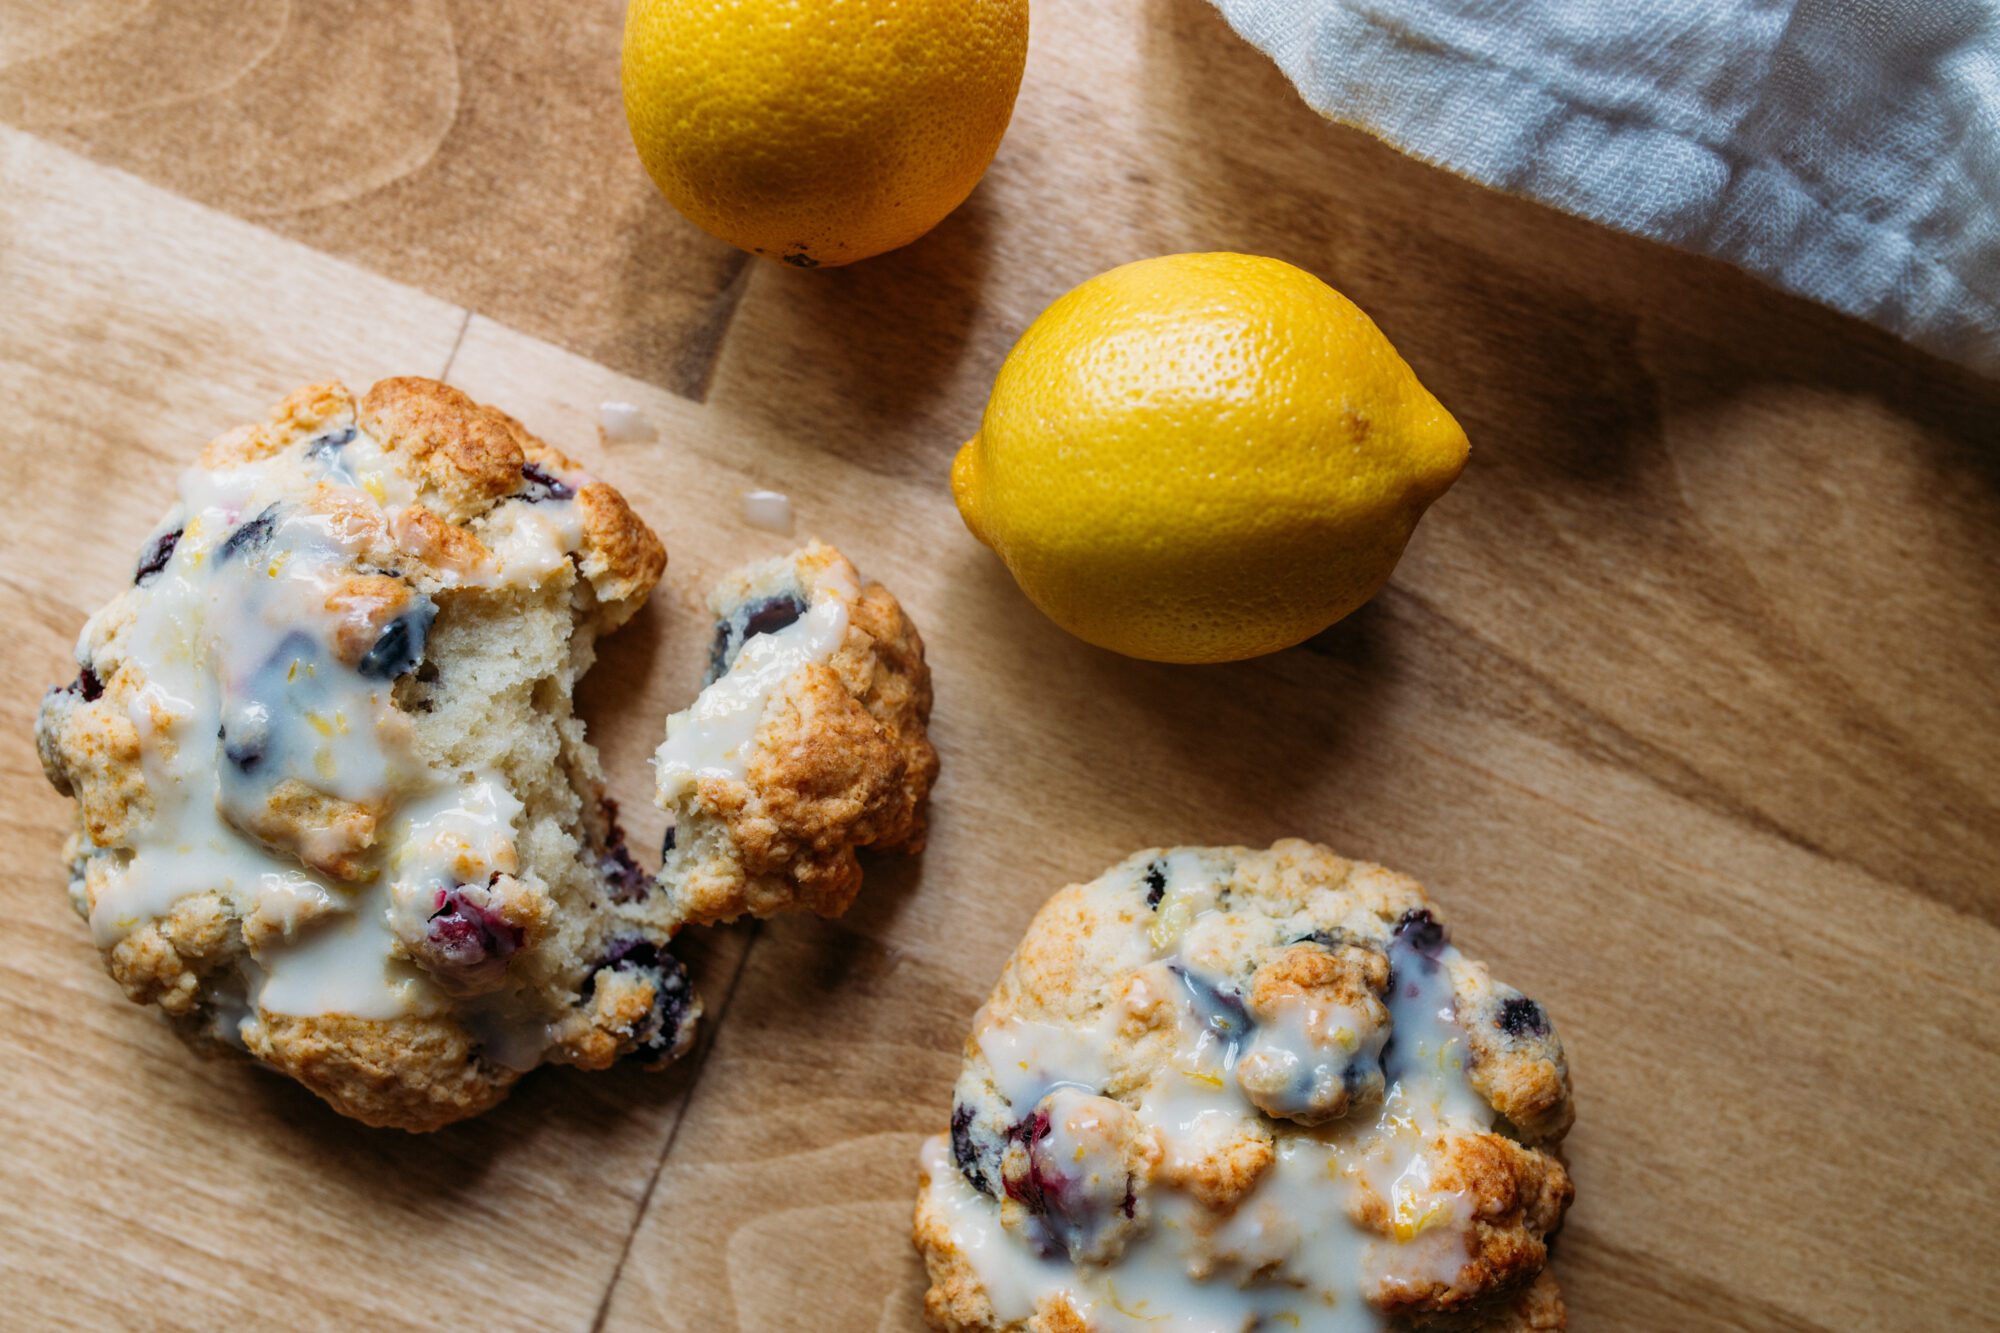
1200	458
820	131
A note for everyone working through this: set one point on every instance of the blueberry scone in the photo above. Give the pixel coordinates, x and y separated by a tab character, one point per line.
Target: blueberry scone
807	742
1227	1090
333	807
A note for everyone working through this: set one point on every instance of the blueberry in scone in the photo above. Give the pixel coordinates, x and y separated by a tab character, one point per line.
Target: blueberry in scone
807	743
1236	1090
333	807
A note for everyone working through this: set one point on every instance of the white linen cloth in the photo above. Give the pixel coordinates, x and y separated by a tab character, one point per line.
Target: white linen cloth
1848	150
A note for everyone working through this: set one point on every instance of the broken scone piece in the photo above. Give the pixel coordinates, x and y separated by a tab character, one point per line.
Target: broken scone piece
1237	1091
807	742
333	808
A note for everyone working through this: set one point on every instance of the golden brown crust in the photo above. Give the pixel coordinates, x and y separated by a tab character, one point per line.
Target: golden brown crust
1523	1072
1353	977
842	761
895	688
1223	1176
303	413
409	484
90	751
416	1074
465	456
1517	1196
470	455
1103	993
1540	1309
957	1300
163	961
622	558
824	781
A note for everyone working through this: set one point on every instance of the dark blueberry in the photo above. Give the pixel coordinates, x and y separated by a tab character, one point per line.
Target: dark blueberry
627	953
400	646
330	442
1220	1006
668	1026
1421	931
628	882
246	755
88	685
1029	1187
1325	939
718	653
772	615
1131	1204
765	617
964	1151
250	538
667	843
465	934
1156	885
157	554
538	485
1521	1016
245	732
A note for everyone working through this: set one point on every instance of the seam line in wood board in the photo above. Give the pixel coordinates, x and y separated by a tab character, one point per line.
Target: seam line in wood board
667	1148
451	357
722	312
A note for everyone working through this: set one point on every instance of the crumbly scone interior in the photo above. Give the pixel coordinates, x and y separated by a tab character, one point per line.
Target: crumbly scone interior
1221	1089
807	742
333	805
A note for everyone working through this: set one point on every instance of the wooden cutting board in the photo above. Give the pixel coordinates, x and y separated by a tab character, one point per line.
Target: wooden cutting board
1684	701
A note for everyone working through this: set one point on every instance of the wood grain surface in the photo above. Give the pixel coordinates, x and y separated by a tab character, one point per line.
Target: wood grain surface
1685	701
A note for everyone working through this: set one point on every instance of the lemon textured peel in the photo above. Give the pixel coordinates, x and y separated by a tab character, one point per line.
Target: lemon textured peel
819	132
1201	458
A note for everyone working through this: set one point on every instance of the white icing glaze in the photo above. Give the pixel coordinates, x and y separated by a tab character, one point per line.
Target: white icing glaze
769	510
1291	1254
1014	1277
1299	1054
245	700
457	834
344	966
529	542
714	736
1029	1059
624	423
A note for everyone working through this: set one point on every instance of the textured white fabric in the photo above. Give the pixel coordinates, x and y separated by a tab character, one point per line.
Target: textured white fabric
1848	150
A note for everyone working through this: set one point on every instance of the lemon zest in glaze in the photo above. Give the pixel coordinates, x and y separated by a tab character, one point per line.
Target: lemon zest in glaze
1118	1304
1174	917
1410	1222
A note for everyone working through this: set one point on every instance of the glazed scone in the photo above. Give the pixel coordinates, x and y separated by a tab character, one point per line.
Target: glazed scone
333	807
1227	1090
807	742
